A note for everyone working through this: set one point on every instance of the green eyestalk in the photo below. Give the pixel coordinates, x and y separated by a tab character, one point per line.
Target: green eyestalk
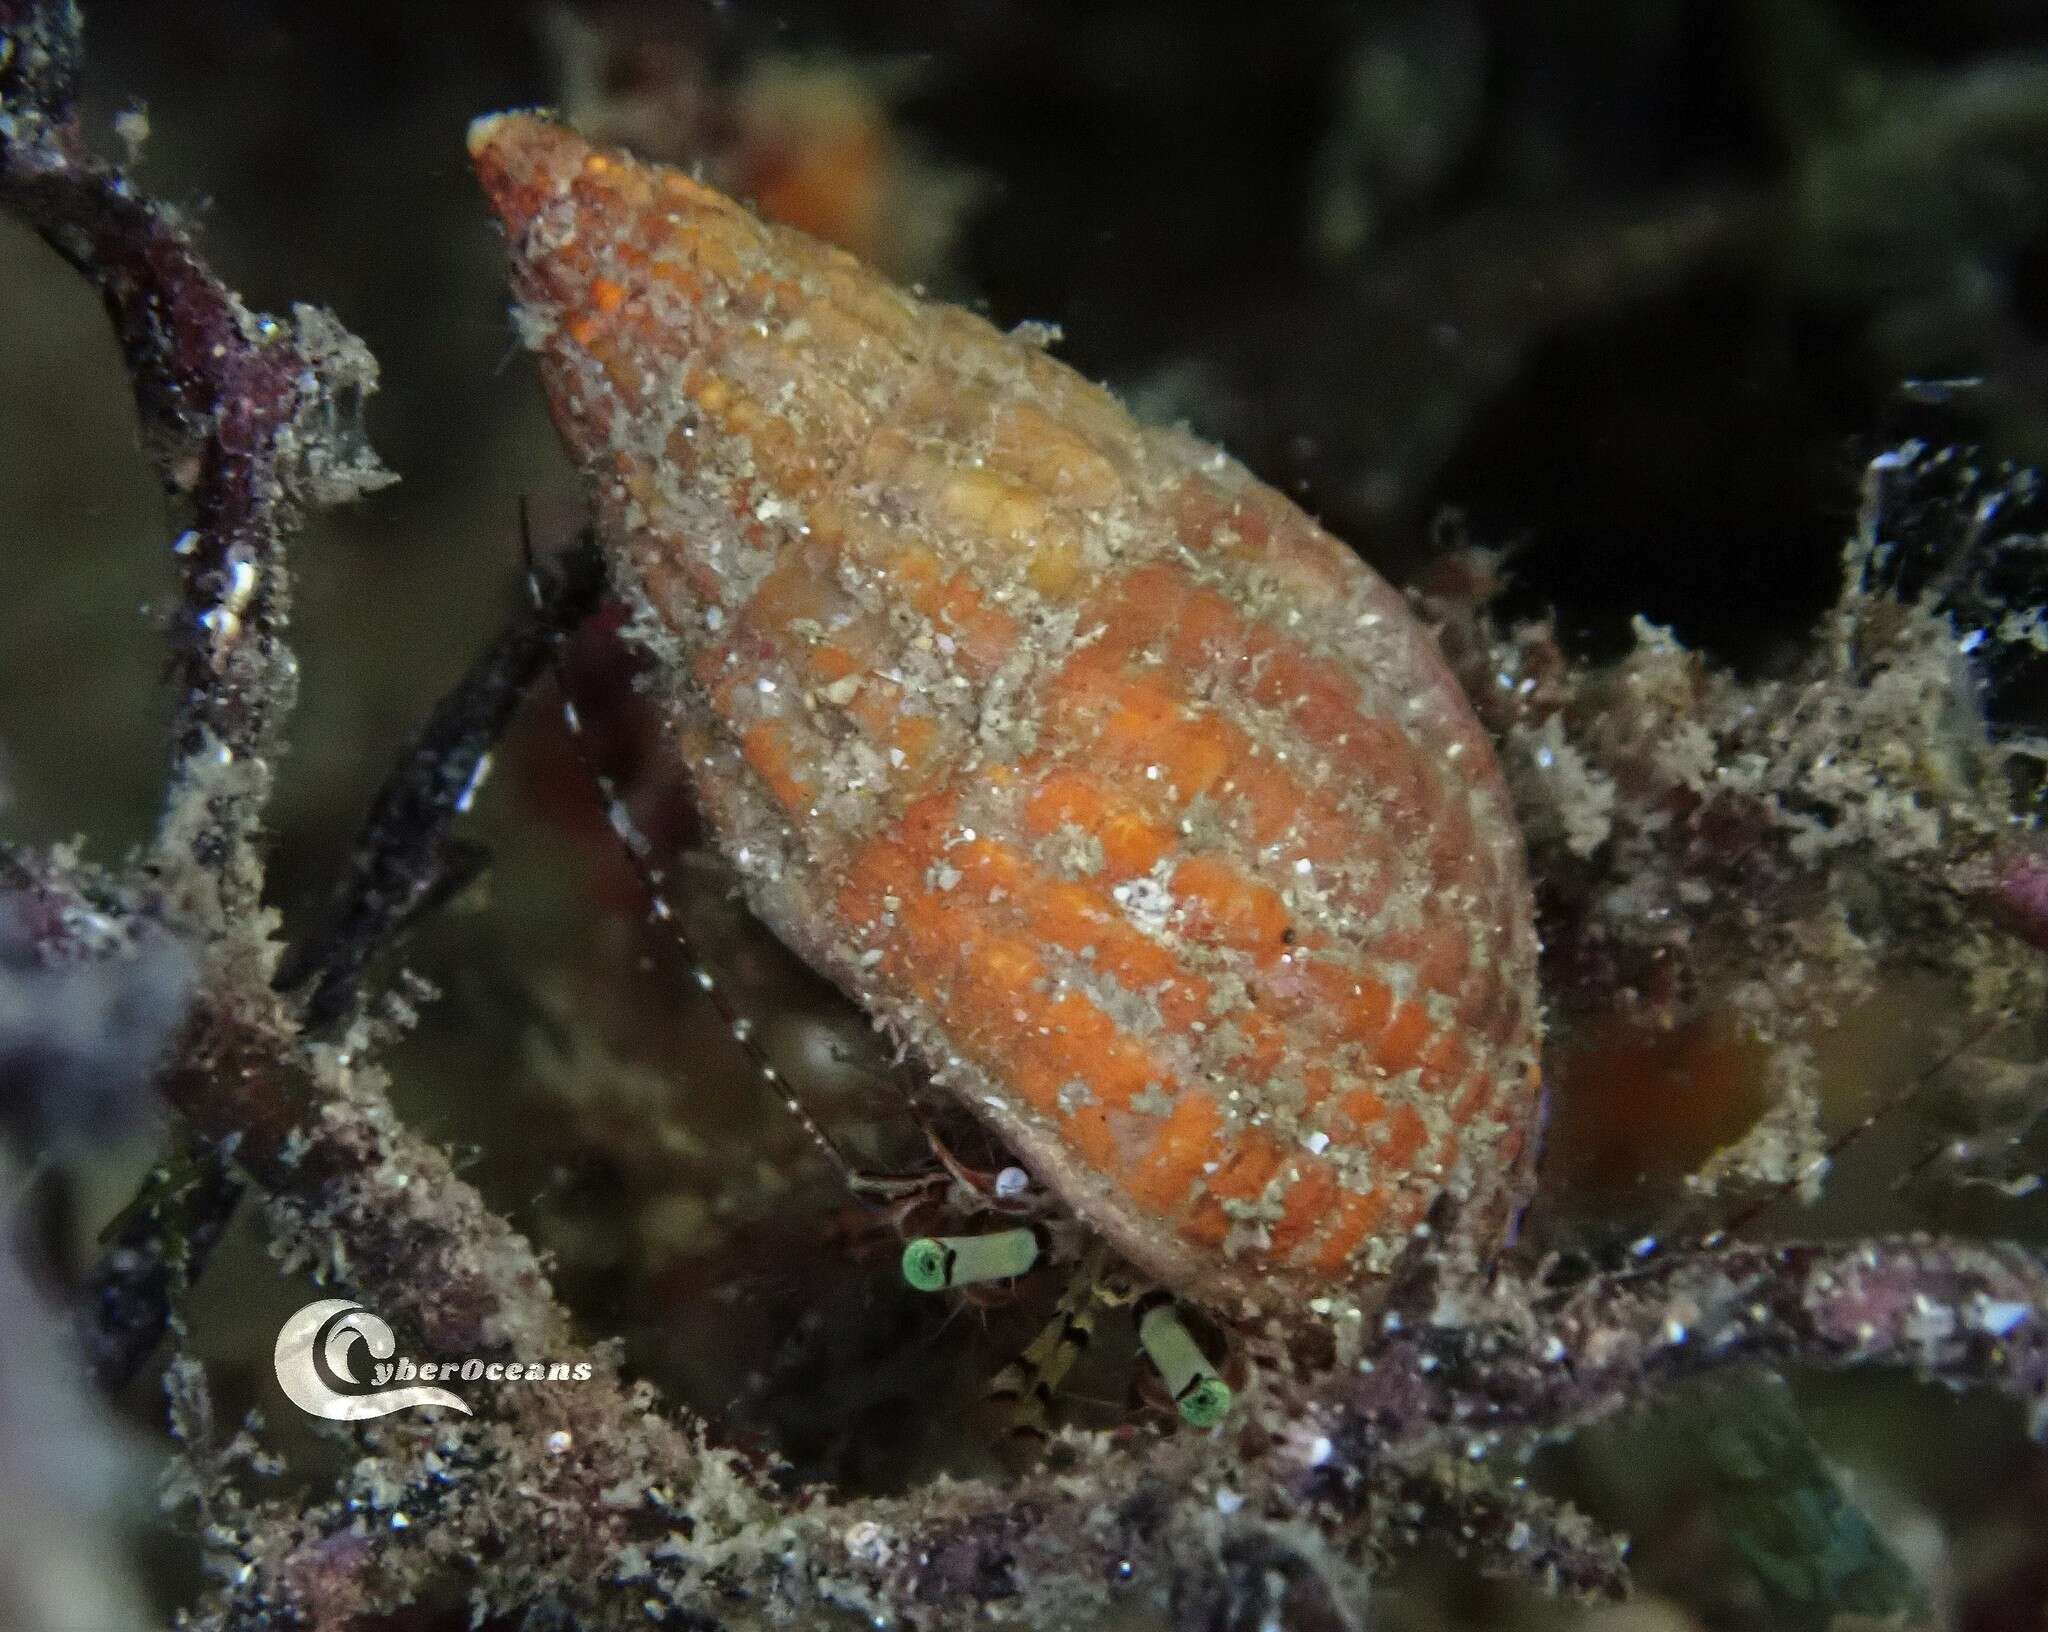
932	1263
1202	1396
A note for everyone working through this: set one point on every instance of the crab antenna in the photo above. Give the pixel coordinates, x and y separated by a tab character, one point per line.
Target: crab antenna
653	881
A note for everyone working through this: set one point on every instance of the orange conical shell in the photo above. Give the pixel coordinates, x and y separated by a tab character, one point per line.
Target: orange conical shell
1088	764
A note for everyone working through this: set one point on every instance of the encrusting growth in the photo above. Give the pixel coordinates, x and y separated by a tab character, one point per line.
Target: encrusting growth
1082	760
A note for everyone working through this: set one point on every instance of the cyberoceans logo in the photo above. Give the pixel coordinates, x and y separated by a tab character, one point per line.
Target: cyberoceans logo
316	1365
326	1349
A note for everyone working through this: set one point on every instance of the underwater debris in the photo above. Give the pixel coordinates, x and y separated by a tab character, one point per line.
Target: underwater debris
1770	848
82	1035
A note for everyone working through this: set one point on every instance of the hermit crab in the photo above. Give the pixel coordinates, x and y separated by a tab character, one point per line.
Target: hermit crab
1090	766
